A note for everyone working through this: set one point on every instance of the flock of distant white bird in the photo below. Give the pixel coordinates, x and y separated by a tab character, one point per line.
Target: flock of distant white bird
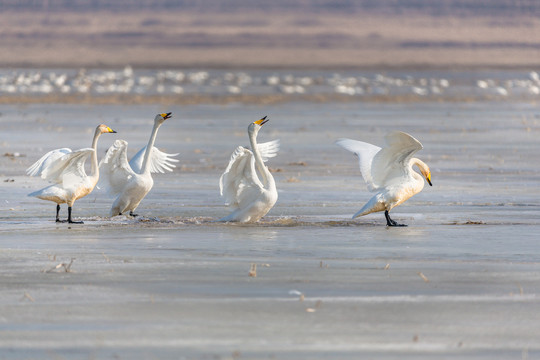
176	82
246	184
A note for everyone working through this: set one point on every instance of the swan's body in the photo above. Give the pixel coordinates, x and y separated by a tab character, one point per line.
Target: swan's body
389	171
65	168
250	197
131	181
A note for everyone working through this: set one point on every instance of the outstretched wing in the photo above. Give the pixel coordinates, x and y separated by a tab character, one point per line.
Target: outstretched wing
46	160
391	162
239	183
268	149
68	169
159	161
365	153
114	168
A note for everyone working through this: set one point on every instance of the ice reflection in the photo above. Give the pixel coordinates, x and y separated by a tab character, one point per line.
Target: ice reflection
253	233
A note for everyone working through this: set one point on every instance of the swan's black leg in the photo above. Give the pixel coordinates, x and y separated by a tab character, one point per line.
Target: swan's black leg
58	214
69	218
390	222
131	213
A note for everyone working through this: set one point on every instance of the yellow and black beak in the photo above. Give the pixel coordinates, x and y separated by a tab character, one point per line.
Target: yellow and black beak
428	178
166	115
262	121
111	130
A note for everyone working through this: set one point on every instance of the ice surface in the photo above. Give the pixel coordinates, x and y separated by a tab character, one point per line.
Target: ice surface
461	281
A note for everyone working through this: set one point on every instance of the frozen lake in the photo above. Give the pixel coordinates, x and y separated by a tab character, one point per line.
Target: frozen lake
461	281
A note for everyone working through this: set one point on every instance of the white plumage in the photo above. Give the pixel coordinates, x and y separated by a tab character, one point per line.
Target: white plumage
65	168
131	182
250	197
388	171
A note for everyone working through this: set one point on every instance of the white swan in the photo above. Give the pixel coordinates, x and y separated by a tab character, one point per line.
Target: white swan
130	182
388	172
66	169
250	197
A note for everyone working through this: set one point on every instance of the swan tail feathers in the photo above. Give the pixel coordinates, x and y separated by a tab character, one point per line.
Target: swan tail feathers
230	217
373	205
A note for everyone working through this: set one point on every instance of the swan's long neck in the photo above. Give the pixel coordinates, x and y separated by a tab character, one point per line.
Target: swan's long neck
94	161
146	160
267	179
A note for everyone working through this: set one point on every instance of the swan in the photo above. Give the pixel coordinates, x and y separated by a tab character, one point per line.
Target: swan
66	169
131	181
389	172
250	197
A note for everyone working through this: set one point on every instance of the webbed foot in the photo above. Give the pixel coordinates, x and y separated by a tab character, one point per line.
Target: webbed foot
69	220
390	222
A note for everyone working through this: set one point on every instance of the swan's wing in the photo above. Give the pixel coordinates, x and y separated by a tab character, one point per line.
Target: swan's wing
365	153
391	162
68	169
240	179
114	168
46	160
159	161
137	160
268	149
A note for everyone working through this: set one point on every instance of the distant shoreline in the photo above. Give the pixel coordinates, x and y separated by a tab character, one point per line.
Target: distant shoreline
259	40
372	68
246	99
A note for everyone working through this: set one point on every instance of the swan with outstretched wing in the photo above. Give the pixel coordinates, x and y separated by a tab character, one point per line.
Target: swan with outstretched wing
388	171
131	181
65	169
247	185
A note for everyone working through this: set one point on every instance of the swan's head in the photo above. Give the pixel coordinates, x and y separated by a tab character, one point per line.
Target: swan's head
424	169
160	118
255	126
426	173
104	129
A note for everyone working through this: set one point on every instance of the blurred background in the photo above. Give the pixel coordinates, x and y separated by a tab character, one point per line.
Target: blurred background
356	39
281	33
